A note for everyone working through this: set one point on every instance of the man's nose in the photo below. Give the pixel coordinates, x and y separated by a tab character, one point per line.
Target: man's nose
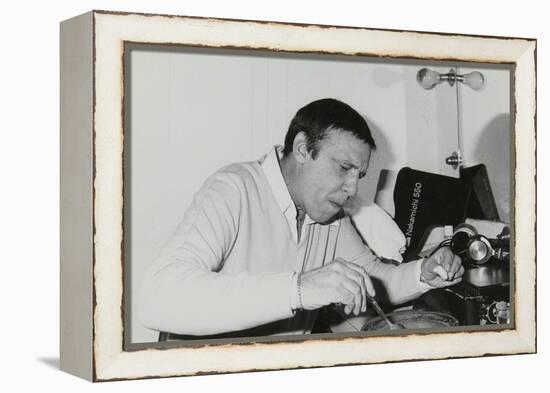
350	186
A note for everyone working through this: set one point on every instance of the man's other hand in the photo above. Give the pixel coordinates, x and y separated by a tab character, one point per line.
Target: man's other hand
442	269
337	282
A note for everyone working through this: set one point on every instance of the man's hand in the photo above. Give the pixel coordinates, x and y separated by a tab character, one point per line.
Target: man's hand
442	269
337	282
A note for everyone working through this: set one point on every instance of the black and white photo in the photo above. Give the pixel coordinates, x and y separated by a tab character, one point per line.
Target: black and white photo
302	236
241	195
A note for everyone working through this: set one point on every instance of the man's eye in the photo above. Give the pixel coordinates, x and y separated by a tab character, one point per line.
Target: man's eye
345	167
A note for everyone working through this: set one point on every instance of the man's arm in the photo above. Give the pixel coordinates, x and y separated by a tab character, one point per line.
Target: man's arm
186	291
397	283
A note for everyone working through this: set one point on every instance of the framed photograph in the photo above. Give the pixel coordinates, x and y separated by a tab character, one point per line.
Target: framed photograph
248	195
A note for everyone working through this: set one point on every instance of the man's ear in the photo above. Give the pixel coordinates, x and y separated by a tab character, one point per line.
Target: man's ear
299	147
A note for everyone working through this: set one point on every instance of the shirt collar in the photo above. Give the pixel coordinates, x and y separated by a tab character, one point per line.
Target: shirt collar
272	170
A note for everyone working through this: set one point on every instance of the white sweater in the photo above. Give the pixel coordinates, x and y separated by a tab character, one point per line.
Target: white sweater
230	264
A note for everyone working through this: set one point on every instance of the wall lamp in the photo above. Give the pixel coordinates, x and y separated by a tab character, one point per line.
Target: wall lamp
428	79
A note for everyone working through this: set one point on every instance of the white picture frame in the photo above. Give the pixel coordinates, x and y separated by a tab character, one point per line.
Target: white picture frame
92	203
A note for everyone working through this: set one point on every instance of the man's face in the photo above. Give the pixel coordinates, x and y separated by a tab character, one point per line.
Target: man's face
330	179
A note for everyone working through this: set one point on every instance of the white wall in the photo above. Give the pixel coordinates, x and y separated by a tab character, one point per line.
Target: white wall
486	128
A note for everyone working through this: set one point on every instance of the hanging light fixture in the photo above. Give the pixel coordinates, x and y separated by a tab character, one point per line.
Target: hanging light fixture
428	79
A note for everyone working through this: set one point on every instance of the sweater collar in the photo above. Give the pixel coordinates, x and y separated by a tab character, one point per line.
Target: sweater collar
272	170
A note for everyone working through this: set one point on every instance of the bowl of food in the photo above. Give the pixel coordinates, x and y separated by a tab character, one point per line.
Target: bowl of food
412	319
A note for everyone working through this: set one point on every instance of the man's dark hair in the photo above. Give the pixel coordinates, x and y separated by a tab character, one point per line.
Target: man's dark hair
319	117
